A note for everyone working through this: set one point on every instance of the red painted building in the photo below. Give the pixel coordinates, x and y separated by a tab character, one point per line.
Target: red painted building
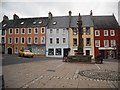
106	33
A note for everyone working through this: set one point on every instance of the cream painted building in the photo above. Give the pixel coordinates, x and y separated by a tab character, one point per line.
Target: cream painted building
88	35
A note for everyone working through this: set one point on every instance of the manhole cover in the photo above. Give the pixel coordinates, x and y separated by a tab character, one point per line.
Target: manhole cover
101	74
51	70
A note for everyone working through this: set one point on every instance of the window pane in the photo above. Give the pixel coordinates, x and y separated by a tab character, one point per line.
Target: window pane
51	40
74	31
64	40
50	30
43	30
97	43
35	30
57	40
29	31
50	51
87	41
74	42
87	30
58	51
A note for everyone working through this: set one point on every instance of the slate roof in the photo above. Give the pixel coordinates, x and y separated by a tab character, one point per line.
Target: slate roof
27	22
86	21
105	22
5	24
60	22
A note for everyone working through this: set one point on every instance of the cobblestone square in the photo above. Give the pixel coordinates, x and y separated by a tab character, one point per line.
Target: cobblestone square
42	72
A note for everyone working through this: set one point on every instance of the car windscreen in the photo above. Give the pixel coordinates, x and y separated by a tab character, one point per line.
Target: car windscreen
26	50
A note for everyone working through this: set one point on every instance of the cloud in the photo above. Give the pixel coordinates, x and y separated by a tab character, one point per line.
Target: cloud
41	9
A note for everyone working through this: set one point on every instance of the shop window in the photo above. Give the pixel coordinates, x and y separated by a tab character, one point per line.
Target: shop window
51	51
58	51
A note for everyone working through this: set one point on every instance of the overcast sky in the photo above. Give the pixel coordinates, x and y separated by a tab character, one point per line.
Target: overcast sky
41	8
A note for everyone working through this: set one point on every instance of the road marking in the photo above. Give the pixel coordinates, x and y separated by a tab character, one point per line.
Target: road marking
60	65
97	66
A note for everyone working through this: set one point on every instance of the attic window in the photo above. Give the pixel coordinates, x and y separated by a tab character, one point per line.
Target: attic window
40	22
4	25
22	23
54	23
34	22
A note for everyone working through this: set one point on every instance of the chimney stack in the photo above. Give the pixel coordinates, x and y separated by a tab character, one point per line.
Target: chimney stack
70	13
5	17
15	17
91	13
50	15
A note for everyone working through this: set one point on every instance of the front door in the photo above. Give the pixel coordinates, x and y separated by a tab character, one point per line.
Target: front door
102	53
87	52
9	50
65	51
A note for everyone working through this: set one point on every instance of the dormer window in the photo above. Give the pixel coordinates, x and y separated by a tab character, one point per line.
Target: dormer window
40	22
34	22
4	25
54	23
22	23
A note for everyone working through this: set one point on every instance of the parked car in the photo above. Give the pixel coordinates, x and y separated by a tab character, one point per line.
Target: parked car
25	53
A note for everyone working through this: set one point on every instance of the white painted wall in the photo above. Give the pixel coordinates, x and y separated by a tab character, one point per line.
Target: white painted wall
55	35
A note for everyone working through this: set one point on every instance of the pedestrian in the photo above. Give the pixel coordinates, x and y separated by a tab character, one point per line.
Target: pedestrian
101	58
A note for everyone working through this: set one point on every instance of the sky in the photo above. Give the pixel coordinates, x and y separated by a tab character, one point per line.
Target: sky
41	8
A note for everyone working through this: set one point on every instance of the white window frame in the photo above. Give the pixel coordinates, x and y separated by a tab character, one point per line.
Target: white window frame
28	30
64	41
114	43
98	32
98	43
52	40
21	30
37	30
9	31
111	31
41	39
58	40
28	40
15	49
107	43
105	34
57	30
34	40
18	31
21	40
44	30
15	40
9	40
63	31
51	31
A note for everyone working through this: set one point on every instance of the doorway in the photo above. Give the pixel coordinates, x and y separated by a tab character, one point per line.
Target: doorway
9	50
102	53
87	52
65	51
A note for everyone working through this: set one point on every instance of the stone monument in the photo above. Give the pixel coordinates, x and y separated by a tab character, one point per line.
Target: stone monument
79	53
